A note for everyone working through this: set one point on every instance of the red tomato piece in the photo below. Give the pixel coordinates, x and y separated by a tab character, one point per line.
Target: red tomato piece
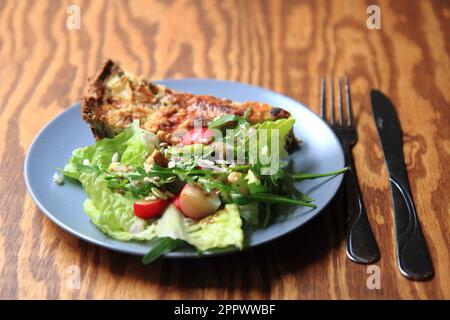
176	202
197	204
149	209
202	136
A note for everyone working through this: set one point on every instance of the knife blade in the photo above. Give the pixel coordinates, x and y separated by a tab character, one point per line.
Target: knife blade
413	257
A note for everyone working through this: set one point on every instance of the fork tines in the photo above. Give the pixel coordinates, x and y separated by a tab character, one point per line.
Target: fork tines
348	103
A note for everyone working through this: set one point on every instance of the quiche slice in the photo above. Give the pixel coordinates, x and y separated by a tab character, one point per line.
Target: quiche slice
115	98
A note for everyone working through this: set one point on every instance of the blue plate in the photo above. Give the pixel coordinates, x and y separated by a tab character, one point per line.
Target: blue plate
320	152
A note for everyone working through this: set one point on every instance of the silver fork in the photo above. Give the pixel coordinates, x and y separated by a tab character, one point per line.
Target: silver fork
361	245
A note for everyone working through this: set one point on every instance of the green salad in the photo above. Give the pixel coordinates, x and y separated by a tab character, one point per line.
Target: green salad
192	193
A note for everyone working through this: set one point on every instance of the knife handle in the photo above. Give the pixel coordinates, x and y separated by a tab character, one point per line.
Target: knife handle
361	245
414	259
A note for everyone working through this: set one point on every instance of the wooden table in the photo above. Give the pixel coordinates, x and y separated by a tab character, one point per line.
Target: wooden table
281	45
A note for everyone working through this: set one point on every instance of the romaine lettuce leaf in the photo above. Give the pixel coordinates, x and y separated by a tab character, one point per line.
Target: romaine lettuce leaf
219	230
172	224
132	145
140	144
112	212
283	126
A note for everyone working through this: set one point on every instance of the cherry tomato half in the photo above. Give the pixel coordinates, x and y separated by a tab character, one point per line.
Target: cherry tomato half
196	203
176	202
149	209
197	135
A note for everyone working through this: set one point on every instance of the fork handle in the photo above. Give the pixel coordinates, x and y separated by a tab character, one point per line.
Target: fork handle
361	246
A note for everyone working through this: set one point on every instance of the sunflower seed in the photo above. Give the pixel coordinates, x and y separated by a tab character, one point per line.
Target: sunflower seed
155	180
170	179
158	193
115	157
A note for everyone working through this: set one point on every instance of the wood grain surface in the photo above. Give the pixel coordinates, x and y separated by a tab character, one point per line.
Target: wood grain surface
281	45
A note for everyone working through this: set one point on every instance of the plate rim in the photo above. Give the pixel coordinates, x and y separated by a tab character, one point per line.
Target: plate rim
176	255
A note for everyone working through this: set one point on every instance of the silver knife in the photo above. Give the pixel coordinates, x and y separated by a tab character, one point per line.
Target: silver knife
413	258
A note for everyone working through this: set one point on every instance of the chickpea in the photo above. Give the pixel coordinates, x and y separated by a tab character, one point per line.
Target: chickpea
234	177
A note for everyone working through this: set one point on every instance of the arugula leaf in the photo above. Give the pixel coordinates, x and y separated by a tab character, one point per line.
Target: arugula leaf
159	247
265	214
238	198
255	188
221	121
305	176
250	213
272	198
247	112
